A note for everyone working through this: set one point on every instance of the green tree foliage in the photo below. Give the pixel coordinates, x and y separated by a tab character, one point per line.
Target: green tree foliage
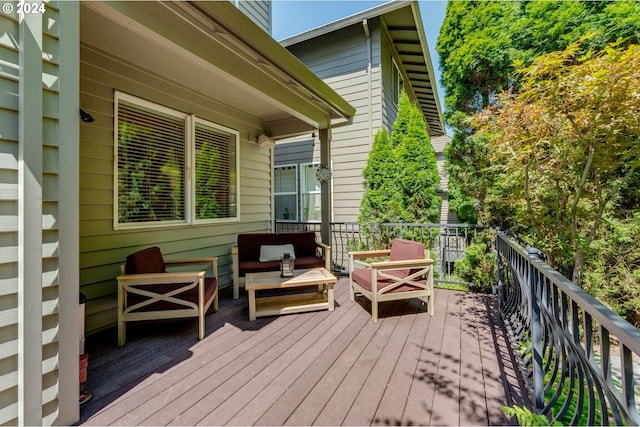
150	185
417	172
547	26
475	51
209	177
612	266
401	178
478	44
381	201
527	418
566	145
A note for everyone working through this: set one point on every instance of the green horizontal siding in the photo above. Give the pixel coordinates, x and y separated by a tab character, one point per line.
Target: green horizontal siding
103	249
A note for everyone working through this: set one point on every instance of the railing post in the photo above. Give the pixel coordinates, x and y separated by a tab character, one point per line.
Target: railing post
536	333
500	273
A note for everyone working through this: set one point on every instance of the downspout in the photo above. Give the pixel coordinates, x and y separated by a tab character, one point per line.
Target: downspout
367	33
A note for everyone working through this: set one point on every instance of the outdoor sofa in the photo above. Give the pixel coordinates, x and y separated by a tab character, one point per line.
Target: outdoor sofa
302	245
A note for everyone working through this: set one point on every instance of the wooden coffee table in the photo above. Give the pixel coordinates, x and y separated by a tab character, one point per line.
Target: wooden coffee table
290	303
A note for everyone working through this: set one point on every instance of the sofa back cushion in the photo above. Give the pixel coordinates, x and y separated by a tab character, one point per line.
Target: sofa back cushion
249	245
304	243
145	261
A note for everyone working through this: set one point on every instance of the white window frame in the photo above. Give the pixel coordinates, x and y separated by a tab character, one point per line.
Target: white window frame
189	162
192	175
295	193
304	193
397	82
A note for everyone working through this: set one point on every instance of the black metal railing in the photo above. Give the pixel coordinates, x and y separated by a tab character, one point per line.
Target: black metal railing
577	355
447	242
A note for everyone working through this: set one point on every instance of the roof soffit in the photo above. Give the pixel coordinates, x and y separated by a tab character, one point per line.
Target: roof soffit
406	33
402	24
269	89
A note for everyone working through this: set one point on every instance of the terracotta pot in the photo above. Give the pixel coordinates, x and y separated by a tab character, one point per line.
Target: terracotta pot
85	395
84	367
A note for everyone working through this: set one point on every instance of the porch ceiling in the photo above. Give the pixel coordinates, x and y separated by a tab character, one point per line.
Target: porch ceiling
213	48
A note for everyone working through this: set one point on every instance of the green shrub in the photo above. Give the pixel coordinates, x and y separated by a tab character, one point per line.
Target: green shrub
478	266
525	417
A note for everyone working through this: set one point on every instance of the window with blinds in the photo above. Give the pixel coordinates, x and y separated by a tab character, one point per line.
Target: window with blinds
154	145
215	169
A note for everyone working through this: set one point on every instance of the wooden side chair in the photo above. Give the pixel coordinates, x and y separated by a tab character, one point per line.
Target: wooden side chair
404	272
146	291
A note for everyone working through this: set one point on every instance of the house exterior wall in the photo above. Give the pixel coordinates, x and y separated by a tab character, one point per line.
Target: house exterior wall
103	249
349	62
258	10
38	239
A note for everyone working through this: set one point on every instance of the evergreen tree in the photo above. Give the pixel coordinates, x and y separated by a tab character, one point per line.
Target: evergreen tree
418	175
381	201
401	178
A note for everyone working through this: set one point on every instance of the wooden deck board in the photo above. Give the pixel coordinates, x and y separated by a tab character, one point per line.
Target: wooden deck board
393	402
418	409
473	409
304	375
317	368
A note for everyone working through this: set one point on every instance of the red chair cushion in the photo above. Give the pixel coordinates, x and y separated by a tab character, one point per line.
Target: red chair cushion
145	261
363	277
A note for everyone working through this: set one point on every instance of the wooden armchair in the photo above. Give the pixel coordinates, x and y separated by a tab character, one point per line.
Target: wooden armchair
146	291
406	272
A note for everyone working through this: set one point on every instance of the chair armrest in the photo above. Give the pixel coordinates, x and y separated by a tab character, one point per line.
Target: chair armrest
160	278
326	254
359	263
323	246
213	261
405	263
370	254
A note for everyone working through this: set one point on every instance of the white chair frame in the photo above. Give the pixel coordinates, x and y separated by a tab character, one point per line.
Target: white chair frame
129	284
384	270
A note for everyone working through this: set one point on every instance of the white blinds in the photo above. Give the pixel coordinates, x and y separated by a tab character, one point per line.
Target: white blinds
285	179
156	148
151	166
215	172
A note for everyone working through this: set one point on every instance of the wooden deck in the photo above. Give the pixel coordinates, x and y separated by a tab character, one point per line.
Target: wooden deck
317	368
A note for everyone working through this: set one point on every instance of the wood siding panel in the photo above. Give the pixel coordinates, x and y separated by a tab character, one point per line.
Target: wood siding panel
47	100
342	61
258	10
103	249
9	104
296	152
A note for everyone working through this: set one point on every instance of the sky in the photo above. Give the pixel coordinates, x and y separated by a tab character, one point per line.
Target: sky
291	17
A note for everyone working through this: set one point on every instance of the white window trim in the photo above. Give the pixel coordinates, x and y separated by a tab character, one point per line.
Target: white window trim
289	193
189	190
302	194
191	172
396	79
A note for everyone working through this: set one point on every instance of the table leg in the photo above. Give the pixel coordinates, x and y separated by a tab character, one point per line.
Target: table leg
252	304
330	297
